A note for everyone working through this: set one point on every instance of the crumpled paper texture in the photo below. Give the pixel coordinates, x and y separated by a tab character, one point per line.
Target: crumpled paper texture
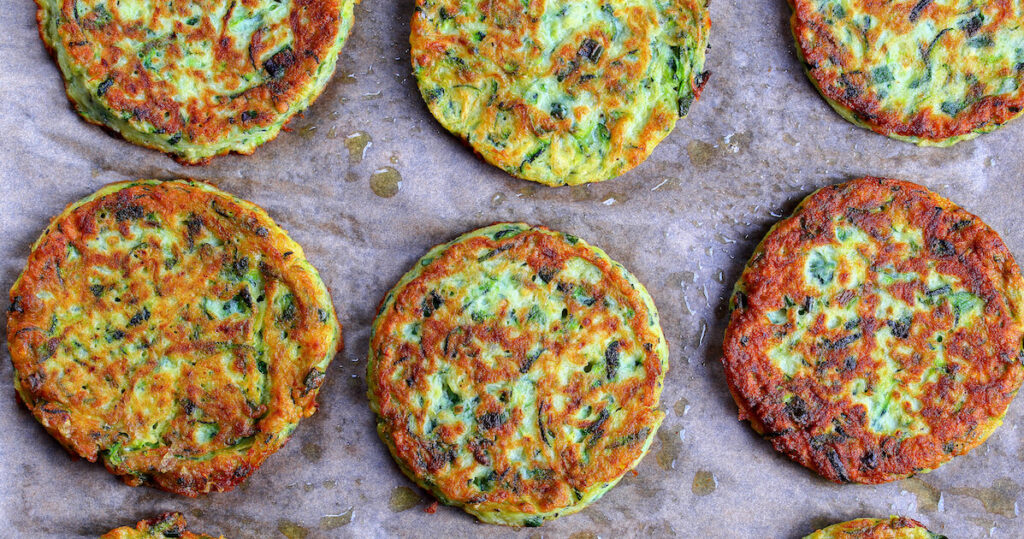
684	222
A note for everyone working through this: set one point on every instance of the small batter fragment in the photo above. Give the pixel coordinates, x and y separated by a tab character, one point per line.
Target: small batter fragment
876	528
167	525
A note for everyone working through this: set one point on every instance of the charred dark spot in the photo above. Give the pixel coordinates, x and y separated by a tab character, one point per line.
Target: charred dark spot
963	223
558	111
839	344
16	306
479	449
176	138
596	429
279	63
869	460
850	363
941	247
915	12
132	212
852	324
944	289
972	25
314	379
566	70
104	86
139	317
431	303
547	273
739	300
244	297
837	464
590	49
901	329
115	335
249	115
188	406
563	287
797	409
492	420
611	359
263	232
241	265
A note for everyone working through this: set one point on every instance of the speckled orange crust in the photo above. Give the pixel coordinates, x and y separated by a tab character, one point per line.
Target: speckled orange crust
194	78
876	528
840	56
171	330
560	93
166	525
538	466
819	426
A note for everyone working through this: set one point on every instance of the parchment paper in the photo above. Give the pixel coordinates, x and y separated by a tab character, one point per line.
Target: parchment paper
684	222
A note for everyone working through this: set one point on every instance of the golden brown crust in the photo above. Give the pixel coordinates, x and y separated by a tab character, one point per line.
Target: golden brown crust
178	77
876	528
170	524
962	392
172	330
855	64
540	466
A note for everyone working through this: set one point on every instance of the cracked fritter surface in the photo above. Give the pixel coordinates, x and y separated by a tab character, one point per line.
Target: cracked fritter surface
167	525
516	372
560	92
876	528
876	332
194	78
924	71
171	330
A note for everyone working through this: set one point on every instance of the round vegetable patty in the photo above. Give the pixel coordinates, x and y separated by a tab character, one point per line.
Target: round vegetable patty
171	330
923	71
876	528
560	92
876	333
194	78
166	525
515	372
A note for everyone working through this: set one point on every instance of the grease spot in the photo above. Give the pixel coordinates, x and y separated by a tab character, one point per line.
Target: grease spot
497	199
312	452
307	131
403	498
929	498
357	143
584	535
291	530
704	483
330	522
386	182
671	445
681	407
999	499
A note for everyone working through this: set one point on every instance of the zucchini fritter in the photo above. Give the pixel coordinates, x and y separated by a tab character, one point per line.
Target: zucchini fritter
194	78
922	71
167	525
560	92
876	528
171	330
515	372
876	333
